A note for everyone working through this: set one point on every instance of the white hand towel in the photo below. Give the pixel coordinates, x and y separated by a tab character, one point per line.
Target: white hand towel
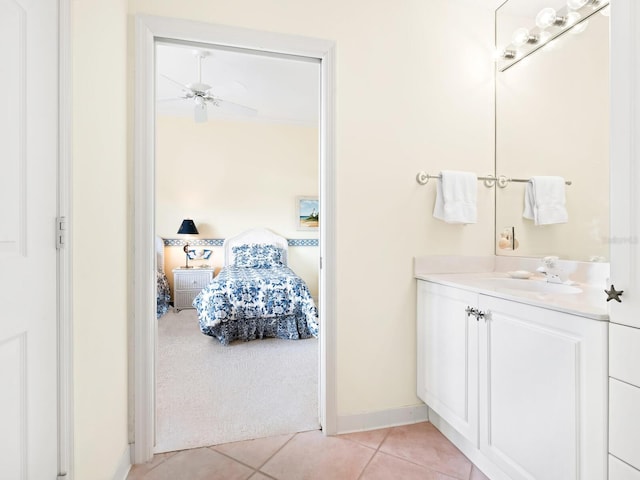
457	197
544	201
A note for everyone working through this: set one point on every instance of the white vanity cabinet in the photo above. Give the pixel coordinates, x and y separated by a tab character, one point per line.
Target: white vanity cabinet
523	389
447	356
624	402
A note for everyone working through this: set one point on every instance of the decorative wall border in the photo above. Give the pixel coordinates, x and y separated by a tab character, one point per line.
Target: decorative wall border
217	242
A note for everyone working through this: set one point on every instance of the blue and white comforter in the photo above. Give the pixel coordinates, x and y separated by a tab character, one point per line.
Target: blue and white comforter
163	293
247	303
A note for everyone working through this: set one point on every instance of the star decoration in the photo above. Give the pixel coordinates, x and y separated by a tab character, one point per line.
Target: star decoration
614	294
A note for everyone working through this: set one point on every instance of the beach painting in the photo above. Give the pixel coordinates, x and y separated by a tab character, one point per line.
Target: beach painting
307	213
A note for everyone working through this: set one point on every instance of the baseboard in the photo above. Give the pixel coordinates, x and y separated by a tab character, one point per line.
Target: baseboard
382	419
124	465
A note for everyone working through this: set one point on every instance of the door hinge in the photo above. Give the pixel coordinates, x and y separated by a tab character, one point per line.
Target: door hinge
61	232
62	476
320	263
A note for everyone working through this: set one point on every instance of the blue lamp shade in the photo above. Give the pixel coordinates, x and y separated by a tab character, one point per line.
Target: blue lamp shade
188	227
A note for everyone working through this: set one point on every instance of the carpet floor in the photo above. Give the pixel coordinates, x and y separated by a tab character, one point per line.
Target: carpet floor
207	394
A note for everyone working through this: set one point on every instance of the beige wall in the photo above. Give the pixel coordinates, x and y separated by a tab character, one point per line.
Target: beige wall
230	176
100	239
414	92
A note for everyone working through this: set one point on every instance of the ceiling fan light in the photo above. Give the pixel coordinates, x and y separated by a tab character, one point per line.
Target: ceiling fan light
200	113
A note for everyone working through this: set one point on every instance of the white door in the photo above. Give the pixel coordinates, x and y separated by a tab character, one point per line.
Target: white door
28	207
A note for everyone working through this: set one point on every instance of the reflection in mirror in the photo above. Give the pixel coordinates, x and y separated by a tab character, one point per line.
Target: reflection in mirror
552	118
524	26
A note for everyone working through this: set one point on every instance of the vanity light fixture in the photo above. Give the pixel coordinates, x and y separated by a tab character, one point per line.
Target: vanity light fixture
581	27
549	25
522	36
573	18
548	17
578	4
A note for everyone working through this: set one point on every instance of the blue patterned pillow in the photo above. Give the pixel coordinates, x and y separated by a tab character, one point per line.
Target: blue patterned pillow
257	256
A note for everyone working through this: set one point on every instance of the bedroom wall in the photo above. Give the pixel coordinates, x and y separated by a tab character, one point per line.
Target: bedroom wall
414	92
229	176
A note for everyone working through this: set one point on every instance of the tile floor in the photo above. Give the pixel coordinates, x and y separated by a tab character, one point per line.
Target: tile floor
400	453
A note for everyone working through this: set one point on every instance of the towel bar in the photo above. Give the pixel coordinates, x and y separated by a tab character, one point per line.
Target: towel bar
489	181
423	178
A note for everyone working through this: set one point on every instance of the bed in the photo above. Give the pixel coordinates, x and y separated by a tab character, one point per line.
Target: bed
256	295
163	291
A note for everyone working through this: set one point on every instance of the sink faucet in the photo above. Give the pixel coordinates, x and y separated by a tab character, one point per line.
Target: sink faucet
551	270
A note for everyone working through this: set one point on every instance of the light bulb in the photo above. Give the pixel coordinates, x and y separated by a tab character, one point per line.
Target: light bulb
573	17
548	17
522	36
579	28
576	4
544	36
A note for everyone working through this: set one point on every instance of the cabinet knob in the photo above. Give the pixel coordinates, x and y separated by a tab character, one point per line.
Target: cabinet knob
613	294
475	312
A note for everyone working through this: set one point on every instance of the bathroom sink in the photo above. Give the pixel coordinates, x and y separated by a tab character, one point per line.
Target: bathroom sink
533	286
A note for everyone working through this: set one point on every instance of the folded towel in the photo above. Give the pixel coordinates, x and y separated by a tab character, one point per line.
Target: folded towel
456	197
544	201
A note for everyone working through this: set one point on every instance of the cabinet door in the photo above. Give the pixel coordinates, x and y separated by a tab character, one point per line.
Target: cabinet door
542	392
447	356
624	418
619	470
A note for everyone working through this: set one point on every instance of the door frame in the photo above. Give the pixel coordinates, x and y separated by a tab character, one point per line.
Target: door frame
148	30
64	307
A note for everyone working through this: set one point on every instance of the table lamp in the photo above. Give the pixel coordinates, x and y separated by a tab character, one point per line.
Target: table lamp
187	227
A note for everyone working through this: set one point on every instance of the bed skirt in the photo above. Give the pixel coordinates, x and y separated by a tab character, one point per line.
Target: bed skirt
288	327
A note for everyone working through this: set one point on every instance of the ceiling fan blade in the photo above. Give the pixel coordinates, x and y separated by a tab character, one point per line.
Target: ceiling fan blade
173	99
232	107
200	113
181	85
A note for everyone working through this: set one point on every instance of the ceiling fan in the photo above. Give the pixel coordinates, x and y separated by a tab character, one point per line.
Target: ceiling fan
202	95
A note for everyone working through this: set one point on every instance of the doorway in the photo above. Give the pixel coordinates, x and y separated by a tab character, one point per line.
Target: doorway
148	31
236	145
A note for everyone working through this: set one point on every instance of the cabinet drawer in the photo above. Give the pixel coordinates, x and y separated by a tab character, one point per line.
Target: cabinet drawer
624	354
184	298
624	422
621	471
192	280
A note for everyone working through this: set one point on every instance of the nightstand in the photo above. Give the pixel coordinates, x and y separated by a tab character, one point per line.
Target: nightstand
187	284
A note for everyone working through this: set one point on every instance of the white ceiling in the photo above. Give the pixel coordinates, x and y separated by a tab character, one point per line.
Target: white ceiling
282	89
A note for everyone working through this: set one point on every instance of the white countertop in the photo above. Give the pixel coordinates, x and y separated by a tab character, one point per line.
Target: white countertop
590	302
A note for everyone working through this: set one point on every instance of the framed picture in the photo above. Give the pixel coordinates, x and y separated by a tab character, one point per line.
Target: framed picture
307	213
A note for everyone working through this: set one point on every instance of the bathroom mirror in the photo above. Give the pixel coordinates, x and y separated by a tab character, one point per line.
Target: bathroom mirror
552	118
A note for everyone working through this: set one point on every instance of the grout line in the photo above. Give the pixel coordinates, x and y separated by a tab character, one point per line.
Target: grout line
375	452
276	452
164	459
212	448
428	467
